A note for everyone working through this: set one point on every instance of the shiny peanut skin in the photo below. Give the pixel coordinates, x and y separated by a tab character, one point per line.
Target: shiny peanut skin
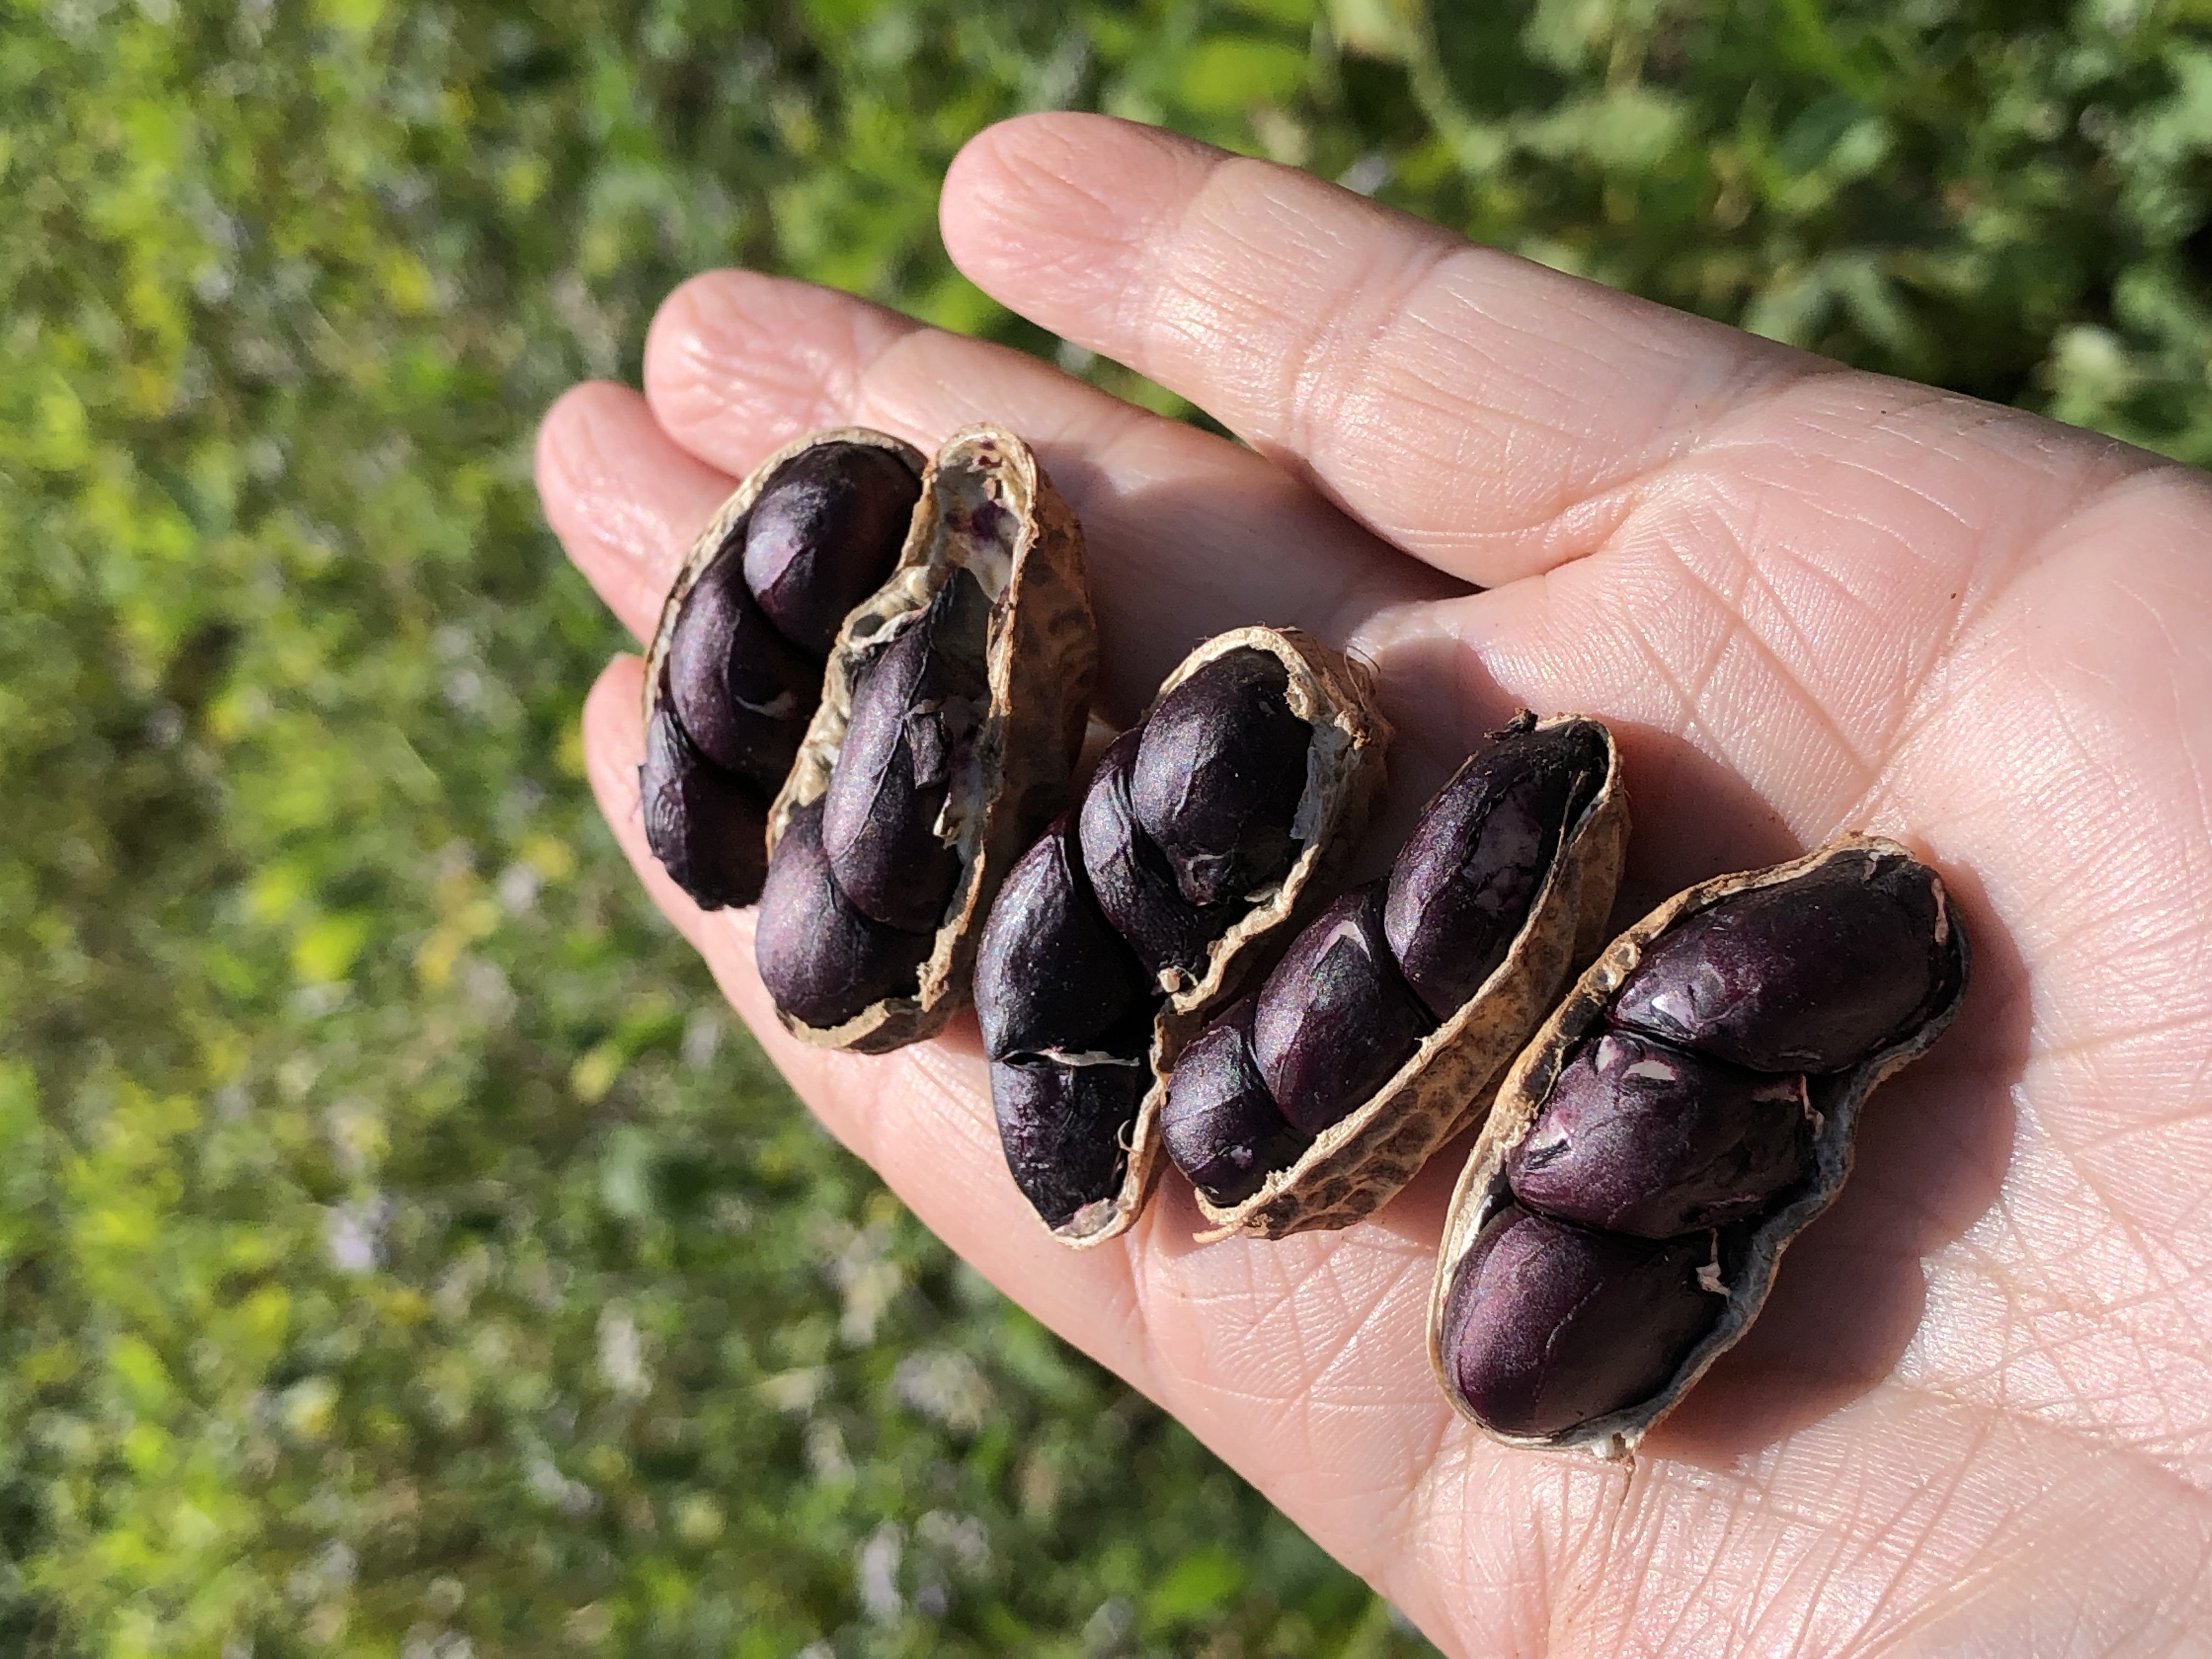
822	960
1641	1139
824	535
1811	977
1552	1325
1218	776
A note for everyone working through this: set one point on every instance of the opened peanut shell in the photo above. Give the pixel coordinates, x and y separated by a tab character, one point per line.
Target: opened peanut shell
1359	1157
1343	775
732	672
994	565
1704	1074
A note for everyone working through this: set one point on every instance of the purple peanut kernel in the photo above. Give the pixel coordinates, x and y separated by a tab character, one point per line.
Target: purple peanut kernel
1642	1139
1336	1018
1219	1124
822	960
1462	888
1062	1126
916	711
1815	975
822	536
742	693
1050	975
1136	888
1220	769
709	830
1549	1326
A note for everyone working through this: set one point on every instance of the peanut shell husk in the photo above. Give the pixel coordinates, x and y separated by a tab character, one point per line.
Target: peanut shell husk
1357	1164
1344	775
1745	1275
985	506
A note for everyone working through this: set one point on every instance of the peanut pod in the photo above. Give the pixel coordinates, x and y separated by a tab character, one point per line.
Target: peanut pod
953	708
1208	831
1380	1034
1562	1314
734	669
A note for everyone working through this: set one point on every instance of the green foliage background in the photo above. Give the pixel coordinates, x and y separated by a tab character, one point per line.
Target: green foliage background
403	1254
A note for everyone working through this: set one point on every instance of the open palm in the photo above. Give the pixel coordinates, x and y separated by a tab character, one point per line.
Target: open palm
1978	1415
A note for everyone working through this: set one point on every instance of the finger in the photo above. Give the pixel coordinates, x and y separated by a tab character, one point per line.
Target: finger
1489	414
1187	533
624	500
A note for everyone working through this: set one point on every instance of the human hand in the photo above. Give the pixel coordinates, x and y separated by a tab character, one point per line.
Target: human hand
1977	1415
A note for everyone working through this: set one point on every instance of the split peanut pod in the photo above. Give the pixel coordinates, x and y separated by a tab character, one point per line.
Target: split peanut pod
735	667
1381	1033
952	711
1685	1113
1208	831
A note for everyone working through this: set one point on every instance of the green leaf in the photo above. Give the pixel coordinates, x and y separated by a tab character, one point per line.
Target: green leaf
1230	73
1195	1588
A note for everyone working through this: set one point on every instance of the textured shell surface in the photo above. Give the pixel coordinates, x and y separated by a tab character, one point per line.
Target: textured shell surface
1747	1274
1445	1088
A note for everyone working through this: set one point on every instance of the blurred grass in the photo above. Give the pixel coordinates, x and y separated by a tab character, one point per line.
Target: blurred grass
400	1251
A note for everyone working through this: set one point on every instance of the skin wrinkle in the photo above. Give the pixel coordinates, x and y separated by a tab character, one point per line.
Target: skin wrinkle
1758	580
1308	389
2055	1352
711	339
1890	1566
2146	1249
1947	1495
1830	435
1809	1522
1602	1540
2199	787
1158	1284
1462	1552
1737	632
1728	602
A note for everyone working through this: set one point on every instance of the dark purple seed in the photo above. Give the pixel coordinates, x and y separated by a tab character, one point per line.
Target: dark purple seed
1135	887
1219	1124
1336	1018
915	713
1063	1126
1639	1138
1219	771
1461	889
1549	1326
1050	975
821	959
709	830
743	694
1815	975
824	535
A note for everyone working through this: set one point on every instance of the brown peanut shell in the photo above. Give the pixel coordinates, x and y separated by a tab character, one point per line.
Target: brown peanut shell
1344	774
985	506
727	527
1357	1164
1836	1099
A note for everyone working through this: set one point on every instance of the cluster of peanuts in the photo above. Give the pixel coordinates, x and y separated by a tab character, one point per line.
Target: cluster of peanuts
865	709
